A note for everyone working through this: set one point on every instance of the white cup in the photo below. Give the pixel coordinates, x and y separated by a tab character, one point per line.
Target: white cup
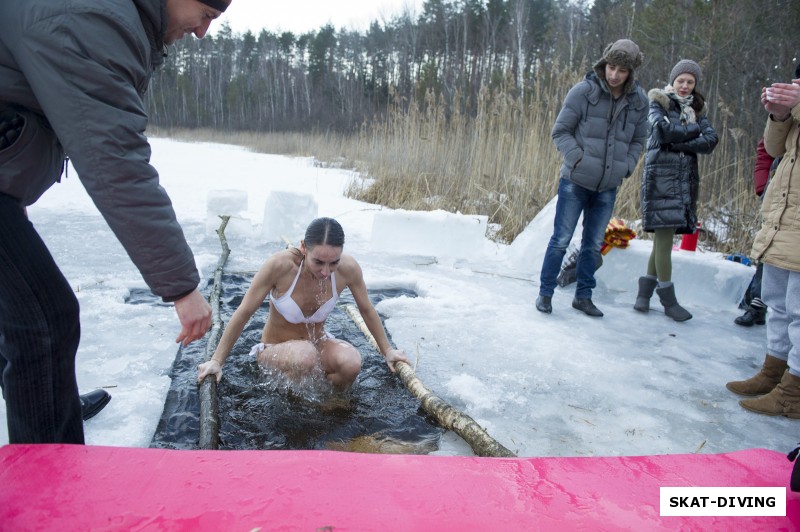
770	94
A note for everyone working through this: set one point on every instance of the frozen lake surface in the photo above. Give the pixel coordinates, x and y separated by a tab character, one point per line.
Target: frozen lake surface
543	385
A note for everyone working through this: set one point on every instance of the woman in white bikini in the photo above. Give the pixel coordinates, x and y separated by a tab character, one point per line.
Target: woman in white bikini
304	285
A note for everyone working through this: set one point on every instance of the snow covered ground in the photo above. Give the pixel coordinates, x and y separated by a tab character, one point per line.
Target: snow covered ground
543	385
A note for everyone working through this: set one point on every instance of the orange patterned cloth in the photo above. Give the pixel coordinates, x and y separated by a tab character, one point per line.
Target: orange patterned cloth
617	235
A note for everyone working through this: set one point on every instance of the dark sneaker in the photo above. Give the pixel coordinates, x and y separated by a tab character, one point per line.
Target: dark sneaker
587	307
543	304
93	402
752	316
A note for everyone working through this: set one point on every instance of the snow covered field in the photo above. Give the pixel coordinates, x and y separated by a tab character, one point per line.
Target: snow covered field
543	385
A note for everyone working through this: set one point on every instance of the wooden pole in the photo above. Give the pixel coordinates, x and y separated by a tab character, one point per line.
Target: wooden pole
448	417
209	404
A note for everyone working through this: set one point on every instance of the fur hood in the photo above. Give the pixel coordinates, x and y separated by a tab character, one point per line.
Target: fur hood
661	97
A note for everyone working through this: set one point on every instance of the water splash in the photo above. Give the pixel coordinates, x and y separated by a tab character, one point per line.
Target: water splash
313	387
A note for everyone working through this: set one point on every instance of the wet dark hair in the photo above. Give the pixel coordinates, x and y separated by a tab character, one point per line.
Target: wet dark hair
324	231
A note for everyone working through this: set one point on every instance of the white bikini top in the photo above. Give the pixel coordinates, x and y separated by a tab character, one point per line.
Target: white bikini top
290	310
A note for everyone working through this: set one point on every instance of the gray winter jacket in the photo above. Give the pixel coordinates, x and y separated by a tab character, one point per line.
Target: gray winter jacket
600	148
76	72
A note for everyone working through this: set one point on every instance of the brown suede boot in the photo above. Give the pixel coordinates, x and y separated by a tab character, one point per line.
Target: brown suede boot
783	400
764	381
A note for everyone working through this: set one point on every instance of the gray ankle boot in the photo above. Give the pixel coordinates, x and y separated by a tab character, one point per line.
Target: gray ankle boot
671	307
647	284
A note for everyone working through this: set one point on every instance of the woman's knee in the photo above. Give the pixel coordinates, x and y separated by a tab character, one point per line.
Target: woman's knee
304	357
305	362
342	358
346	369
351	364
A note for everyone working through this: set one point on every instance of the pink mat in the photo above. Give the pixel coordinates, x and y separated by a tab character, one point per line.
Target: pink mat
66	487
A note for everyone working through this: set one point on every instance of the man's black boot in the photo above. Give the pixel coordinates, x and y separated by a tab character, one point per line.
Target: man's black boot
93	402
587	307
543	304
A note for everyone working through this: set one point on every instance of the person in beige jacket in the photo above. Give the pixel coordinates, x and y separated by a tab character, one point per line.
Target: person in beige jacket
777	245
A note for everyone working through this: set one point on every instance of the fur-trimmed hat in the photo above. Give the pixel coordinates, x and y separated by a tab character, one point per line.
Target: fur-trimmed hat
685	66
622	53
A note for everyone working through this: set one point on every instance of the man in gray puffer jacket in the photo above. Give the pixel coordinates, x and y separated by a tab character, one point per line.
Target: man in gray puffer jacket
72	78
600	131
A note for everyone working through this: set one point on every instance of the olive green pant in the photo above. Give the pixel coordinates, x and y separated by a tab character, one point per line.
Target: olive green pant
660	263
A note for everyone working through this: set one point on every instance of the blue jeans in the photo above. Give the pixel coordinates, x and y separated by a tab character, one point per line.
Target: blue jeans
39	335
597	208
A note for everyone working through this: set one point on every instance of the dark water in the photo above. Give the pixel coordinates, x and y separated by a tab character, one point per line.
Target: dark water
263	411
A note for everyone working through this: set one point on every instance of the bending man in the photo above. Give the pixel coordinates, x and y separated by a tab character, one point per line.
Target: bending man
72	80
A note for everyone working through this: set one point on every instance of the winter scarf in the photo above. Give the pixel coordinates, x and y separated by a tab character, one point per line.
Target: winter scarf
687	112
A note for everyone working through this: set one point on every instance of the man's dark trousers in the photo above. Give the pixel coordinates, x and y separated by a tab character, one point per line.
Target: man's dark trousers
39	336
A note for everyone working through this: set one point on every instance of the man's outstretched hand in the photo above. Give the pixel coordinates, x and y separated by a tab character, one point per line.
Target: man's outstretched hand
194	314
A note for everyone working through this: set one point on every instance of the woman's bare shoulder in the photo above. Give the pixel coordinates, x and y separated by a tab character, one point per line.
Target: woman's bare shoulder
349	268
281	263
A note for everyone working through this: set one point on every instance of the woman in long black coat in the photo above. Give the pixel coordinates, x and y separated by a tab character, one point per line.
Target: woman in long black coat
679	131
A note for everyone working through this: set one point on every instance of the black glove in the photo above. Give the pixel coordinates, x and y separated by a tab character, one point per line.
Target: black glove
11	125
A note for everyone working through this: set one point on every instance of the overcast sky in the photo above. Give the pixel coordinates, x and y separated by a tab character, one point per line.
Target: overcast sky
303	15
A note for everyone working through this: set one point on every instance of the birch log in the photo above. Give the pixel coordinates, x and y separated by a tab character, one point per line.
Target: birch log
445	415
209	404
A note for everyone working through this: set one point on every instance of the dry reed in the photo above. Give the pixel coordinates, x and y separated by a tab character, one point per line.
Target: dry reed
500	161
